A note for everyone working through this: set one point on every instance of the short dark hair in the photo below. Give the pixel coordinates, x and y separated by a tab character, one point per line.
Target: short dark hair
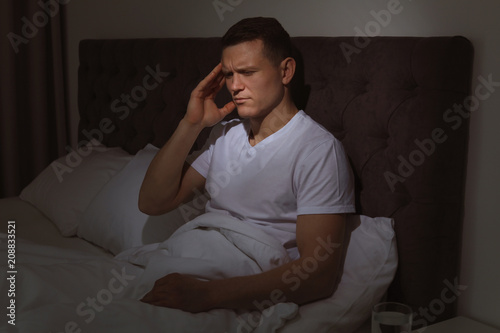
277	43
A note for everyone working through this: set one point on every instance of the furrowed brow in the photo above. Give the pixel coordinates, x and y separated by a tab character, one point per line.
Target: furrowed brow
246	69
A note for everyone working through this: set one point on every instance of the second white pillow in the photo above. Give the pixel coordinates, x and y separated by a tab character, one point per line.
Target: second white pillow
113	219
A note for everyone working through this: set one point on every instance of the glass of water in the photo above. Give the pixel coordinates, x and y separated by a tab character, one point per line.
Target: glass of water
391	317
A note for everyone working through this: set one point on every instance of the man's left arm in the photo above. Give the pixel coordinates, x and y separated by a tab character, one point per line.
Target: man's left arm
309	278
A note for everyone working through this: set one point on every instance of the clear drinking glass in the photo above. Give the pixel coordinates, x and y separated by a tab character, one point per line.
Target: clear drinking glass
391	317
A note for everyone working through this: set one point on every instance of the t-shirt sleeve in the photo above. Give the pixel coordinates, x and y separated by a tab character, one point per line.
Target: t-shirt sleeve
200	159
324	182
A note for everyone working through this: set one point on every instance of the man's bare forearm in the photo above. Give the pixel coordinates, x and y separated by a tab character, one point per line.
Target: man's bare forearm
299	282
165	186
161	184
309	278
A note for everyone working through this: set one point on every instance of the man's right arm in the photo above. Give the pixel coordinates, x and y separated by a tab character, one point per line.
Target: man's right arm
169	181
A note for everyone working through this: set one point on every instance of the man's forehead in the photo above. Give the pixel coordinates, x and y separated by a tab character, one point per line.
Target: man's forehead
243	54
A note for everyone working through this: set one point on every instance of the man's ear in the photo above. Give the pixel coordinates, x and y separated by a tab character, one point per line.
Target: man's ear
287	66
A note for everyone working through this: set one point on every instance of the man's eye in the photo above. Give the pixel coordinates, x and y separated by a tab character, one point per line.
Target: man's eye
247	73
228	75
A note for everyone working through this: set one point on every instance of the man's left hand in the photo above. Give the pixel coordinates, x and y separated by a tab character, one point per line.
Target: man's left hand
179	291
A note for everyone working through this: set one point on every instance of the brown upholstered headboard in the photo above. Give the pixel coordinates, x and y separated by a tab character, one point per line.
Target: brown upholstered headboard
389	100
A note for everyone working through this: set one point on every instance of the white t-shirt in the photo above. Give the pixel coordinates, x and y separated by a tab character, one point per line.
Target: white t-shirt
300	169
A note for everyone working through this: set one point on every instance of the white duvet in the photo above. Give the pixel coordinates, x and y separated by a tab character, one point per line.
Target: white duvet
70	291
74	292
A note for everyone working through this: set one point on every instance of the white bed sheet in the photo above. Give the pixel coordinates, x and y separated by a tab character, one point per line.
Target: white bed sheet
41	241
93	293
33	226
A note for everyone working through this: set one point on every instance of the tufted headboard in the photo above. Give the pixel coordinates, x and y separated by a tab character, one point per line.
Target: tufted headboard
388	99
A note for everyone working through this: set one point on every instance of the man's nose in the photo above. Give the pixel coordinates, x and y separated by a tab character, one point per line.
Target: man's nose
236	84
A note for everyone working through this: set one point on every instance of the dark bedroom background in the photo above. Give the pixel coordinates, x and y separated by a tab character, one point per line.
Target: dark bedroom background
33	91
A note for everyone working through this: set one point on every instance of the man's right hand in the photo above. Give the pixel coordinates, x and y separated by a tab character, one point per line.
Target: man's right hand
168	181
202	110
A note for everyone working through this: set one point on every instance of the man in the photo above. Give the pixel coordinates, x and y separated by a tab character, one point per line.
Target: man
292	177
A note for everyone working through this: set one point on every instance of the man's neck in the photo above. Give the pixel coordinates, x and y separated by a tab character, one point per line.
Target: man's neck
275	120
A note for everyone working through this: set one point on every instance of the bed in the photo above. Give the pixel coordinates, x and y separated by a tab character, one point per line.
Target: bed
81	252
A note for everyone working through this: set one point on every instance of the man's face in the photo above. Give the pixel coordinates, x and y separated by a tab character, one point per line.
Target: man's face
254	82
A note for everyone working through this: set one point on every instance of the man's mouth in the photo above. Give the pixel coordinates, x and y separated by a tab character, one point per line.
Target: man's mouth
240	100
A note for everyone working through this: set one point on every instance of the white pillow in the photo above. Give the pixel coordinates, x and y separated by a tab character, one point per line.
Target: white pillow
370	265
113	219
65	188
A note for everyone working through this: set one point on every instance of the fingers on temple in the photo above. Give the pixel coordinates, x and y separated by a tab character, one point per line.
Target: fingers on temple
215	77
